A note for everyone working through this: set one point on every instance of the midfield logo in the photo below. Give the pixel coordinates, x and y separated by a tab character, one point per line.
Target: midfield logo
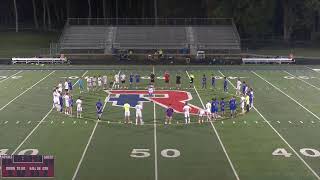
161	97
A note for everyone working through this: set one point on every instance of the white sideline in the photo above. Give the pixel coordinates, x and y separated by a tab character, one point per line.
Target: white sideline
282	138
10	77
302	80
286	95
26	91
90	138
217	134
35	128
155	139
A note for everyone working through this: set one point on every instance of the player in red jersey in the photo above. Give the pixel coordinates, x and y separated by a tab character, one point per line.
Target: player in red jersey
167	78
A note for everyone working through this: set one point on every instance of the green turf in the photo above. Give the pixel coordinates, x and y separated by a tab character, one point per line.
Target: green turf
248	139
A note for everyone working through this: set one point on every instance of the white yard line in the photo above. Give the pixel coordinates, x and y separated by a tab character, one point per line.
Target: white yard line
281	137
10	77
155	139
25	91
90	138
302	80
286	95
35	128
217	134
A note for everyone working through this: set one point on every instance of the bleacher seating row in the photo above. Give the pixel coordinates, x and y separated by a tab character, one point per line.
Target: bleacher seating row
218	37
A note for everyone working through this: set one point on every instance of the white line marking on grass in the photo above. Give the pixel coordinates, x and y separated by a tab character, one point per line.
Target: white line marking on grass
29	122
290	122
219	139
312	122
282	138
10	77
302	80
301	122
6	122
155	139
42	120
286	95
90	138
25	91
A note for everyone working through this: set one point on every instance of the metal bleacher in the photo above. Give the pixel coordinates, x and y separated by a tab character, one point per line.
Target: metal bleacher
104	37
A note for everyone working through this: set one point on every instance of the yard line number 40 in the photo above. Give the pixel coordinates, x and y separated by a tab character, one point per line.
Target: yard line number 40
308	152
144	153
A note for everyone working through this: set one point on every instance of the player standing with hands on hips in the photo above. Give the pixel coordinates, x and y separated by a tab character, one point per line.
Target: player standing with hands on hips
186	110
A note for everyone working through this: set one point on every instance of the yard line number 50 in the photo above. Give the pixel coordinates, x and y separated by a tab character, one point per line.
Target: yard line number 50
144	153
308	152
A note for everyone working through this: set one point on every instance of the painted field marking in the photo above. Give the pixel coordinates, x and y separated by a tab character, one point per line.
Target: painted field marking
155	138
25	91
286	95
302	80
282	138
10	76
91	136
316	70
219	139
42	120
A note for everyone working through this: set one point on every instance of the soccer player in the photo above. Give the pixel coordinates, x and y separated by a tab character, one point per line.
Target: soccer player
169	115
80	83
137	77
222	106
242	102
201	116
99	108
126	107
244	88
105	81
123	80
67	103
99	82
191	80
213	108
251	96
94	83
152	78
208	108
178	81
131	80
233	106
89	84
56	102
186	110
61	102
116	81
66	86
70	85
60	86
213	81
204	82
71	105
225	84
238	92
139	119
79	107
151	90
247	103
167	78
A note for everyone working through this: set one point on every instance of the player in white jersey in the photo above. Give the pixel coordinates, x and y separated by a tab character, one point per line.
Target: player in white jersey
60	87
123	80
94	83
66	86
139	114
201	114
105	82
99	82
116	81
242	103
186	110
208	110
79	108
55	95
150	90
89	84
67	103
238	92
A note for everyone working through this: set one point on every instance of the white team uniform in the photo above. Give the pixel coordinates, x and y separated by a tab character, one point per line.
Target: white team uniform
150	90
79	105
139	110
116	78
242	102
99	81
186	110
60	87
67	102
105	80
208	108
94	82
89	82
123	77
202	113
66	85
239	85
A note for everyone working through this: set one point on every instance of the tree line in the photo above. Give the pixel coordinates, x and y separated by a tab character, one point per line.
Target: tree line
291	19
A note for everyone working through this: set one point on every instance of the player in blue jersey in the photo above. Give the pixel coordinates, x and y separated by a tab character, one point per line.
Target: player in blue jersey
213	81
131	80
222	106
225	84
214	108
71	106
137	77
70	85
251	96
233	106
244	88
204	82
61	102
99	107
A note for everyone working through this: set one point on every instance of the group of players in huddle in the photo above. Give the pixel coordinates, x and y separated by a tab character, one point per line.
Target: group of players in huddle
63	99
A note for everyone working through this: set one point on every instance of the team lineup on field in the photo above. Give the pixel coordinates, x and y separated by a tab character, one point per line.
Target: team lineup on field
279	129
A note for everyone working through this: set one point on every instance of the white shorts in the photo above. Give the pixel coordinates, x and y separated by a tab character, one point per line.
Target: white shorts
99	83
238	88
139	114
201	115
60	89
79	109
67	105
208	111
127	113
94	84
186	114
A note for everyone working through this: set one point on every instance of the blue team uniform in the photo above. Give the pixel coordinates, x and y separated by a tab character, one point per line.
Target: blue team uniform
213	106
232	104
71	102
137	78
244	86
222	105
61	103
225	85
99	107
131	79
250	98
216	106
70	85
213	81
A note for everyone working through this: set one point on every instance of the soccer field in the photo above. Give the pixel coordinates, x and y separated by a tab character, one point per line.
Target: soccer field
278	139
